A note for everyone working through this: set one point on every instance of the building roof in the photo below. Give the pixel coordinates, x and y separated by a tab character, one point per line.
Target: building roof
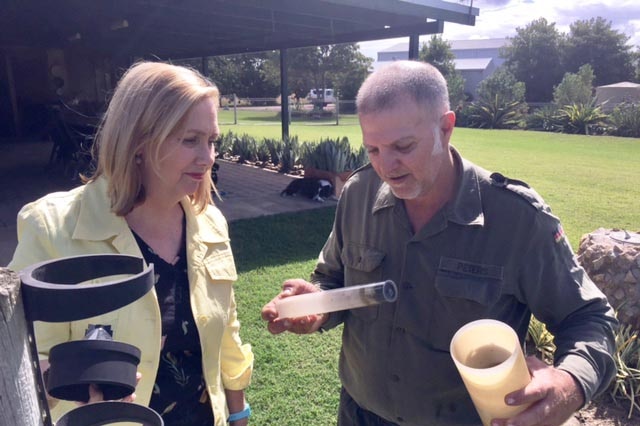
622	84
472	64
189	28
476	44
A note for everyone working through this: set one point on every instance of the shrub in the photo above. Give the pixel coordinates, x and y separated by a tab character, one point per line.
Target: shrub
575	88
245	148
224	143
626	385
542	340
329	154
262	152
496	113
580	118
503	85
625	121
545	119
290	154
275	147
463	115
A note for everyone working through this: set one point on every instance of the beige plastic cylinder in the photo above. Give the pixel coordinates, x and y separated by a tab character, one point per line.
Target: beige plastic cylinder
489	358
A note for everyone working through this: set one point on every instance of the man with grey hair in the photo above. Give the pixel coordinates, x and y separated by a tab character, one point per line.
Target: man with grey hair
462	244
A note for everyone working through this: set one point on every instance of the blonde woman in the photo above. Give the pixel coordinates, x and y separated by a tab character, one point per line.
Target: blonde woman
150	196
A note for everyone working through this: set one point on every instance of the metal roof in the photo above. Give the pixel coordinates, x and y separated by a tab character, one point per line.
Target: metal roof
472	64
480	43
475	44
623	84
188	28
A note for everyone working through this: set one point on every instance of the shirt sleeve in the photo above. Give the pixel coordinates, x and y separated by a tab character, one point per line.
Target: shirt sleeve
329	271
561	295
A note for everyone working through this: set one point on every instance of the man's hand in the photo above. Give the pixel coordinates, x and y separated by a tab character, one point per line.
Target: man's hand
300	325
554	396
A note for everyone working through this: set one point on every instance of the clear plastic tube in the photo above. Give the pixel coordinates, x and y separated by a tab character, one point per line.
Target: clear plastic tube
338	299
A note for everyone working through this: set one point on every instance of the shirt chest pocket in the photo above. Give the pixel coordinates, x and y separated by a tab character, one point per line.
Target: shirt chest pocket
363	265
465	292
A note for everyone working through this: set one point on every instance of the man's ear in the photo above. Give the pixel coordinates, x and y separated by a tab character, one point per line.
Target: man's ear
447	123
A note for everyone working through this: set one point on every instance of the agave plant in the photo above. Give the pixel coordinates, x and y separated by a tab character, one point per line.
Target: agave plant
358	158
580	118
262	152
290	154
333	155
545	119
224	143
275	147
542	340
626	385
244	147
496	114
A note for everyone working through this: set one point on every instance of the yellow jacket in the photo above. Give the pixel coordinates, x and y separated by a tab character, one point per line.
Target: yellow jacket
80	222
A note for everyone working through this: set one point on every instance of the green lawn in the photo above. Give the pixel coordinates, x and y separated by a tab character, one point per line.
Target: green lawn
295	379
590	182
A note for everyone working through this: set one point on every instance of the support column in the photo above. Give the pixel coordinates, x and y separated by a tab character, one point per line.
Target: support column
12	94
284	95
414	47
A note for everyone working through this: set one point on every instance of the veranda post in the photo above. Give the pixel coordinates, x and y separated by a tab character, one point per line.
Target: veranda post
19	404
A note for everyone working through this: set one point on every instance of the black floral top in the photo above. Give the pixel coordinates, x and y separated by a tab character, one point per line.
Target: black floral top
180	394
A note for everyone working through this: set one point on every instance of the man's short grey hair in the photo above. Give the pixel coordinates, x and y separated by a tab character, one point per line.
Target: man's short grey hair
388	86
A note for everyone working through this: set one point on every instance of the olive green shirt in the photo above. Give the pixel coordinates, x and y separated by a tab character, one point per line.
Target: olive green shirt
494	251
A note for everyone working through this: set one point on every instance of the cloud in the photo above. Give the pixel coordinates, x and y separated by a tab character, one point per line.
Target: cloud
481	3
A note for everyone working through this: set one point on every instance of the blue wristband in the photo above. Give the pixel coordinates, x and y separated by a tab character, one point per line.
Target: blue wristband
240	414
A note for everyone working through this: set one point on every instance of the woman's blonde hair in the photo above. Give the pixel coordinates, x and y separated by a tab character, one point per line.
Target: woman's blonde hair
150	102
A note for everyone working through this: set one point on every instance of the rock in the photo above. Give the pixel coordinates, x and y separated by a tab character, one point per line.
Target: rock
611	258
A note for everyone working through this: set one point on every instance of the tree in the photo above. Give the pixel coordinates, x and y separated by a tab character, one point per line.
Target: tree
533	57
438	53
594	42
636	64
246	75
500	103
503	84
575	88
350	71
341	66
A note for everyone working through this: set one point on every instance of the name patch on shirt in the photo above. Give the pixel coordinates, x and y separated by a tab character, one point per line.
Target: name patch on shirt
464	267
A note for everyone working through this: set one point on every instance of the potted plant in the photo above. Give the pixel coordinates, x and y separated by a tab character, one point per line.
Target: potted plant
333	160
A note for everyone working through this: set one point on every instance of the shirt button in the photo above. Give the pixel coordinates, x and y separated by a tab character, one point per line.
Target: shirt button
407	285
202	319
400	330
399	419
395	378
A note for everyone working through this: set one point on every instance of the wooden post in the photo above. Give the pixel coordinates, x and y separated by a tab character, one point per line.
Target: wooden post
235	109
12	94
19	404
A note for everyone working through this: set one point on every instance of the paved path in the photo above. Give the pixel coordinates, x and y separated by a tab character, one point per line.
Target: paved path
247	192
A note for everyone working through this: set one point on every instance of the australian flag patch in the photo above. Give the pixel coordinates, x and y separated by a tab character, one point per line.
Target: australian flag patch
558	234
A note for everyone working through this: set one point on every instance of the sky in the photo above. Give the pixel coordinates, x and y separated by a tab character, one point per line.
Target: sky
500	18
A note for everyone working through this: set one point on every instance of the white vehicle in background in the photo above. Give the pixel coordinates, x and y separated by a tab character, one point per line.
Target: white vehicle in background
314	96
